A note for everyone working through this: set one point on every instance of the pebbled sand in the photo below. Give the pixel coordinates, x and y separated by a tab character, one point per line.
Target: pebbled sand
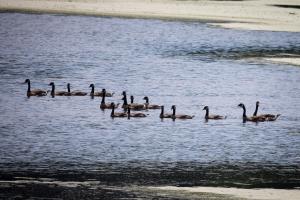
258	194
248	14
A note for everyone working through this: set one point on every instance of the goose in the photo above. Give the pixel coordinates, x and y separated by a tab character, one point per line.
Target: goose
253	118
148	106
75	92
174	116
58	93
35	92
134	114
133	106
162	115
113	114
207	116
269	117
104	105
98	94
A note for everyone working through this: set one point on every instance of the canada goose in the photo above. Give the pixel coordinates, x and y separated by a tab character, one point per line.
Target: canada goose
148	106
104	105
113	114
207	116
133	106
162	115
98	94
253	118
269	117
35	92
134	114
58	93
75	92
174	116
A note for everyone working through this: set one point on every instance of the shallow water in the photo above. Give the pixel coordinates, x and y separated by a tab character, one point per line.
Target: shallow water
188	64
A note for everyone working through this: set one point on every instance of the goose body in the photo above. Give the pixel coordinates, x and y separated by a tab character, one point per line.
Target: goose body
34	92
268	117
253	118
148	106
208	116
98	94
104	105
132	106
174	116
75	92
57	93
114	114
163	115
129	114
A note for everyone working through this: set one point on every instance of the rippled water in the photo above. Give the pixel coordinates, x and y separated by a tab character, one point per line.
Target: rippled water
188	64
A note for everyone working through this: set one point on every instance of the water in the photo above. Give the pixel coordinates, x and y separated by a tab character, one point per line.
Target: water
188	64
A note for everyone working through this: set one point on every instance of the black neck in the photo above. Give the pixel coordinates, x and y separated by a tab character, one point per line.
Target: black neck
162	111
131	99
256	109
112	111
93	90
28	90
207	113
103	97
53	89
125	100
147	100
244	112
174	111
128	112
69	90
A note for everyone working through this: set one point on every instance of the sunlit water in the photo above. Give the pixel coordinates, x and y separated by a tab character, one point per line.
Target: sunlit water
187	64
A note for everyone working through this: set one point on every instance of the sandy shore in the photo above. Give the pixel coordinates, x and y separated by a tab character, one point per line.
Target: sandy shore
263	194
252	15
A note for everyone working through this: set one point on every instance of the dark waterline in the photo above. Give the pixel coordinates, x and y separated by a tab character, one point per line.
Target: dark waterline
188	64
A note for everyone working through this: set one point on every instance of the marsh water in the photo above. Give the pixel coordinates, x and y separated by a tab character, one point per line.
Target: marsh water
187	64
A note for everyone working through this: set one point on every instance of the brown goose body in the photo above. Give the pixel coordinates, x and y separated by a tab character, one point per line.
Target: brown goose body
174	116
253	118
104	105
34	92
268	117
129	114
114	114
208	116
57	93
163	115
98	94
150	106
75	92
132	106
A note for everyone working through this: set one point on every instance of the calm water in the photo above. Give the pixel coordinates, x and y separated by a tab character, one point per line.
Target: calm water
188	64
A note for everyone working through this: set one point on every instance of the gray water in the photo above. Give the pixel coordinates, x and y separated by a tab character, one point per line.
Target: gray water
188	64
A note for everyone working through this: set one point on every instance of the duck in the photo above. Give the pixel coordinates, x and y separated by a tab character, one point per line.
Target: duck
57	93
35	92
269	117
162	114
148	106
75	92
104	105
98	94
113	114
174	116
133	106
134	114
253	118
207	116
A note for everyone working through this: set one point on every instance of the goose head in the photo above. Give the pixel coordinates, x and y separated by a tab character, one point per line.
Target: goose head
112	104
257	103
205	108
92	85
52	84
27	81
241	105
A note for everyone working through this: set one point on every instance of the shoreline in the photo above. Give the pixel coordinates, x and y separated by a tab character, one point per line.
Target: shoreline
247	15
